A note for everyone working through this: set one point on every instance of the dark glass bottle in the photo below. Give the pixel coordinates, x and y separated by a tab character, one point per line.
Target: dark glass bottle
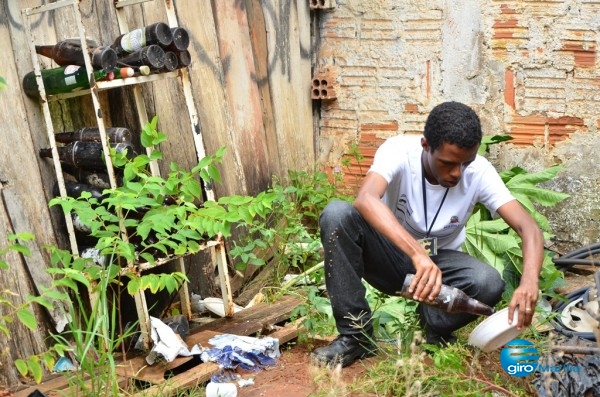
91	177
451	300
74	189
67	53
181	40
157	33
184	59
171	62
87	155
92	134
61	80
152	56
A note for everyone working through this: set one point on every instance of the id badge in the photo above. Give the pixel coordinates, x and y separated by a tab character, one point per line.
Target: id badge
429	244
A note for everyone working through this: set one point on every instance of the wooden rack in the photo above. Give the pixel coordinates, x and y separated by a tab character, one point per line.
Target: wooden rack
215	247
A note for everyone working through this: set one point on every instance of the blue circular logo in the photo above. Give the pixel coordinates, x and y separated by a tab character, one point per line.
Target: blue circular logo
519	357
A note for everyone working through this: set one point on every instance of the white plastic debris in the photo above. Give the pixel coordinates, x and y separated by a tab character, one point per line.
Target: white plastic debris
221	389
197	304
167	344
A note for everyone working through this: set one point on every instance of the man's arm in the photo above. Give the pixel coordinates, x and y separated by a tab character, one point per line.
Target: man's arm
526	295
428	277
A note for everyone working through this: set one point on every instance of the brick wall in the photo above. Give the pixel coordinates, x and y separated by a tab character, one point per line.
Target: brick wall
528	67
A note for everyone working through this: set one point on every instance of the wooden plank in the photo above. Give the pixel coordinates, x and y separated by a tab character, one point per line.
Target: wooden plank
25	203
138	368
254	319
207	77
242	93
290	87
258	38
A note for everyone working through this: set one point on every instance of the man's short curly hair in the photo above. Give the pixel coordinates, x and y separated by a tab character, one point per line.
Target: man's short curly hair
455	123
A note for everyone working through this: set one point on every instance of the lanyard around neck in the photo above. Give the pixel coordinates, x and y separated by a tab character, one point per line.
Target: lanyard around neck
428	230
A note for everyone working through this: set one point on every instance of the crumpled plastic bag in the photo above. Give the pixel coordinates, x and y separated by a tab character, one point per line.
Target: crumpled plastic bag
167	344
250	353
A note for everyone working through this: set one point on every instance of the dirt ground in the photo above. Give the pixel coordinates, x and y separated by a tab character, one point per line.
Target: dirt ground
294	376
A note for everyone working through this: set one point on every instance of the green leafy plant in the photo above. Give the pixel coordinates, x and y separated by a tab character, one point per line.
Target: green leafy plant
148	218
288	232
495	243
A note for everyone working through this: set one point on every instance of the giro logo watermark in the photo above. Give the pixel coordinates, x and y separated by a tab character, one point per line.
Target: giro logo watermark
519	357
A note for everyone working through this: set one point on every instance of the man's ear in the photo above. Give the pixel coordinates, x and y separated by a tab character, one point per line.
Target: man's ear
424	144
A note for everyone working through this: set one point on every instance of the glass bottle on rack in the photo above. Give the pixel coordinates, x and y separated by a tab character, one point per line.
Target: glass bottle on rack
89	155
92	177
92	134
152	56
183	59
66	53
62	80
156	33
181	40
171	62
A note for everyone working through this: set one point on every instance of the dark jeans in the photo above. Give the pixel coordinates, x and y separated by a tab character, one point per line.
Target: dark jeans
355	251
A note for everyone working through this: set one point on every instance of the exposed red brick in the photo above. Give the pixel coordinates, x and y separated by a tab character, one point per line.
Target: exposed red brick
525	130
411	108
584	53
506	23
509	88
389	126
505	9
566	120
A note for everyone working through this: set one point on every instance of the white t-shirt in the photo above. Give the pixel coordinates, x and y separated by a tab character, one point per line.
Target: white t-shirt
398	160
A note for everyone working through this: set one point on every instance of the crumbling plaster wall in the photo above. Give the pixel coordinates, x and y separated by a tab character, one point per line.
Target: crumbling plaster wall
529	68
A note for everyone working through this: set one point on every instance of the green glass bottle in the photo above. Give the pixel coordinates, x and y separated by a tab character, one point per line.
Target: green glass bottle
62	80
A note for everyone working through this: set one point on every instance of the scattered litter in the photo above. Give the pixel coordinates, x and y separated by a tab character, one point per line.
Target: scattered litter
245	382
216	306
231	351
167	344
564	374
63	364
179	324
197	304
228	376
221	390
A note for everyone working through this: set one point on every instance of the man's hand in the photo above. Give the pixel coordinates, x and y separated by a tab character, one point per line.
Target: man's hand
525	299
427	282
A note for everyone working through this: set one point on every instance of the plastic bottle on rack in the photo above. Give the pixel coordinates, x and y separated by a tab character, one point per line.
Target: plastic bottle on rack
92	134
152	56
62	80
66	53
450	299
156	33
89	155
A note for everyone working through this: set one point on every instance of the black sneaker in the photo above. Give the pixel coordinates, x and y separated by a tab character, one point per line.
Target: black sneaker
344	350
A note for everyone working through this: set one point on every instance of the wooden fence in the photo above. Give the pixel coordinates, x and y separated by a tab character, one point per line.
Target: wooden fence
250	76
